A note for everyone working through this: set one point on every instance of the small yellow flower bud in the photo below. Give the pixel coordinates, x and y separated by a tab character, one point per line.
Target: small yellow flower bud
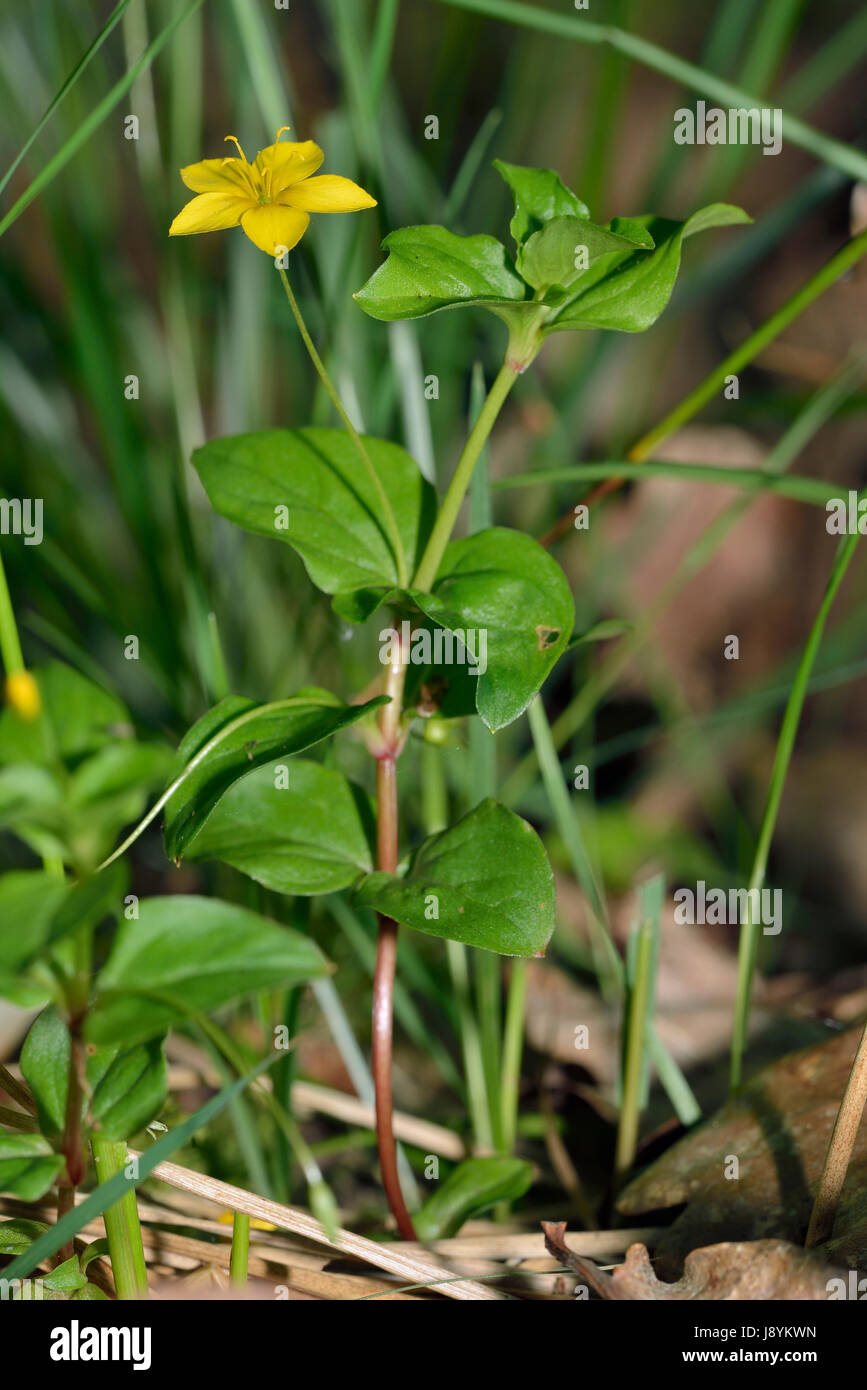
22	695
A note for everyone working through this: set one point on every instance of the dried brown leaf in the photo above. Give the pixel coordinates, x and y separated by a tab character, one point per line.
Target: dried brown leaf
737	1271
778	1131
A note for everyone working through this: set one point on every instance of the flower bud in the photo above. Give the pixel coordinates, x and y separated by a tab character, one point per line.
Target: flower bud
22	695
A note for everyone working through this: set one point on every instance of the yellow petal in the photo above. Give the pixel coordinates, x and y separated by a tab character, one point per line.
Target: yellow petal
210	212
287	162
218	176
227	1217
270	227
328	193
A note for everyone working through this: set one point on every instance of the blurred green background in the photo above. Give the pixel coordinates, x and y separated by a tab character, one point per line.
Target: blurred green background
92	292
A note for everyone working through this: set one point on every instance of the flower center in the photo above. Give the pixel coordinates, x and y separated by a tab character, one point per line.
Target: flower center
265	188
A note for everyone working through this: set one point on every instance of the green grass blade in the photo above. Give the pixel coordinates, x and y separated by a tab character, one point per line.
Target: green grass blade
815	413
797	487
829	65
470	166
749	934
70	82
95	118
695	78
264	69
826	276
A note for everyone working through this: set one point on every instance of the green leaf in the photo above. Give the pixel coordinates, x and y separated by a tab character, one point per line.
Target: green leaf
77	718
539	195
235	737
130	1086
29	903
628	292
430	268
309	489
45	1067
38	909
549	256
19	1234
65	1280
122	1182
94	1251
88	1293
473	1187
192	954
485	881
28	1166
502	583
90	900
312	835
118	770
24	993
126	1086
438	690
28	792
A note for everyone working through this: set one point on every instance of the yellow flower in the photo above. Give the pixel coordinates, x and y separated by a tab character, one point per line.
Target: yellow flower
22	695
270	198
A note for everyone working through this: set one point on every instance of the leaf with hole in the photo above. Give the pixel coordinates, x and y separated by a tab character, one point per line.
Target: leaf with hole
190	954
511	602
296	827
233	739
485	881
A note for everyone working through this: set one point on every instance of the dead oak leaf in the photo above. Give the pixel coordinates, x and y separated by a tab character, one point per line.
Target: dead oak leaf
736	1271
777	1130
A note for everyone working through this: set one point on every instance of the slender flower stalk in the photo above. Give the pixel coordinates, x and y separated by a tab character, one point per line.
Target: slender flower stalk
382	496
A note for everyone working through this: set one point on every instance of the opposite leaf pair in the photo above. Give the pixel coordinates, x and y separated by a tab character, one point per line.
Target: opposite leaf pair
305	487
568	272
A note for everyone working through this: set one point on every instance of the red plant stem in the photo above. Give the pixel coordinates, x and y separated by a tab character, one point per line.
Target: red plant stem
386	954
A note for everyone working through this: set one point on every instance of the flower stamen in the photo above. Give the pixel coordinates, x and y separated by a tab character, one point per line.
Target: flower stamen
236	142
